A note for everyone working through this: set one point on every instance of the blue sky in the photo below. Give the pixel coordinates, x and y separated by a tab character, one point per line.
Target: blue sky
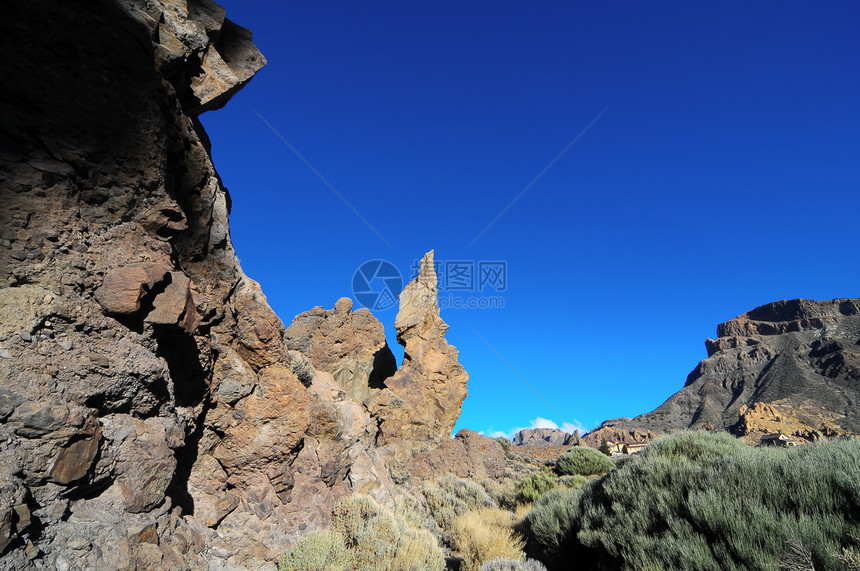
722	174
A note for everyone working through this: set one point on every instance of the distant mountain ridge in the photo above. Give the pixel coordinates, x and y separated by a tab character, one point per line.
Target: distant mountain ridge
801	355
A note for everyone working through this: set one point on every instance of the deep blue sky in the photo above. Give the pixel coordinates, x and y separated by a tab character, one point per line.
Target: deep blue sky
724	174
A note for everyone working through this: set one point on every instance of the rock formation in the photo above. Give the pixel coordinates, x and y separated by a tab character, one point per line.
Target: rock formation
423	399
802	356
762	419
348	345
153	414
545	437
468	455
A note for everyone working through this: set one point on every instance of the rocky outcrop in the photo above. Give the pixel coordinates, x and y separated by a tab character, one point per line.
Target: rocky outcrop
615	430
350	346
422	400
762	419
143	377
801	355
153	411
468	455
545	437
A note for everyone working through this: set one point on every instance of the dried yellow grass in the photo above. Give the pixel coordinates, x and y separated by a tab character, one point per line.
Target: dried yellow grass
485	534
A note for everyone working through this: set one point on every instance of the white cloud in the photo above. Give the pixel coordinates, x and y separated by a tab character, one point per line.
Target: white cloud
541	422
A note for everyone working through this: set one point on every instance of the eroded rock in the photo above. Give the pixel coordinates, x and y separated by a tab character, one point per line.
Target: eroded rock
423	399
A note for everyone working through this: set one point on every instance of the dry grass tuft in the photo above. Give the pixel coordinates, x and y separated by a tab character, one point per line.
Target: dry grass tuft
485	534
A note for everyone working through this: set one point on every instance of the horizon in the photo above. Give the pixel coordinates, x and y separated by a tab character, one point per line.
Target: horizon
641	175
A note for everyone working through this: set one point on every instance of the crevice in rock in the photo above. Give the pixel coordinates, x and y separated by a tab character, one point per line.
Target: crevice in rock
179	350
384	366
104	404
89	490
186	456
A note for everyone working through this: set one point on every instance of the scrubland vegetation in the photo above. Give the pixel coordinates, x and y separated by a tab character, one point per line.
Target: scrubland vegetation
701	501
691	501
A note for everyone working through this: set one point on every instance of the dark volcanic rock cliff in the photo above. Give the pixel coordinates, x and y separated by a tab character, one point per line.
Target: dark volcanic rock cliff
801	355
151	414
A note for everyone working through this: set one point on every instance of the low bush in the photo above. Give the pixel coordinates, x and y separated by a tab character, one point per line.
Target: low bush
707	502
365	536
583	461
451	496
318	552
572	481
378	540
485	534
536	485
502	564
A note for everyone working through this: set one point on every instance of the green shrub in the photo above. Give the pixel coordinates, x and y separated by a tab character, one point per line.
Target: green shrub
604	449
506	444
302	367
452	496
318	552
707	502
536	485
572	481
583	461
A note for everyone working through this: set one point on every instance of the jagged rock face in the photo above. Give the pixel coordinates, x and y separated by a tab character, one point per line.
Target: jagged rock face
545	437
801	355
143	377
423	399
151	415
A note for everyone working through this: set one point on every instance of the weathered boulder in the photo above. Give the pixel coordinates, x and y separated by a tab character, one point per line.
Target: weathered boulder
468	455
123	288
349	345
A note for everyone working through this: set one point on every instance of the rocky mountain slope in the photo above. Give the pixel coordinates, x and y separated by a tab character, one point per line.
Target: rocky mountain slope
154	413
801	356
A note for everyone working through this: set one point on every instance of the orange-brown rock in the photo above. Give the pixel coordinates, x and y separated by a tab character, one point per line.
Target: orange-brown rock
124	287
761	419
349	345
615	431
148	403
423	399
468	455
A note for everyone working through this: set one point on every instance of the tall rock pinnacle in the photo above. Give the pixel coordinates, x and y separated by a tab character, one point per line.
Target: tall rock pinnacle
425	395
